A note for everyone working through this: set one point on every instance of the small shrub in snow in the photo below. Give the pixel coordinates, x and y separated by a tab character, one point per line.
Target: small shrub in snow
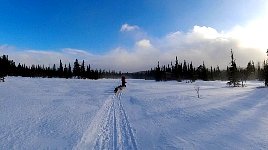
197	89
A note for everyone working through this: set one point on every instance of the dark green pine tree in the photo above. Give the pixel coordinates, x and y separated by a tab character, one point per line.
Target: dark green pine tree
177	68
233	72
54	71
266	71
211	73
250	71
184	70
76	69
88	72
60	70
70	74
204	75
191	72
65	72
83	70
3	67
7	67
158	73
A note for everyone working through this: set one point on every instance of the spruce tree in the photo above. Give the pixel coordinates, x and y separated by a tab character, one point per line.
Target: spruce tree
191	71
3	68
250	71
158	73
60	70
65	72
204	72
176	70
184	70
70	75
76	69
211	73
83	70
266	71
259	71
88	72
233	73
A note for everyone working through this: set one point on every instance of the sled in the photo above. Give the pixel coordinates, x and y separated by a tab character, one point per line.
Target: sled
119	89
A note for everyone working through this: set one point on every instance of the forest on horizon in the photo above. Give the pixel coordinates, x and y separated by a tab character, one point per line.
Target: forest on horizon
174	71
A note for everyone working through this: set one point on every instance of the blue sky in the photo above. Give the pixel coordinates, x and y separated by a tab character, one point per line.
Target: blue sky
94	25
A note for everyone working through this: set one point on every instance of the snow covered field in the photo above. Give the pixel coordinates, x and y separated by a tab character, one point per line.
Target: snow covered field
85	114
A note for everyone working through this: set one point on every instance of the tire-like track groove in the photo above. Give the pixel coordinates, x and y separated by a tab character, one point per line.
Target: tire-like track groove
128	129
114	130
110	129
104	134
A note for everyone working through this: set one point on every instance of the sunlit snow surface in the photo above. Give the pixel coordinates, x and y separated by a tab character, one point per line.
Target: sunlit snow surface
38	113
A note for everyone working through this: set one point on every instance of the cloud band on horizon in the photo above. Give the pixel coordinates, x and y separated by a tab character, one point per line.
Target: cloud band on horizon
198	45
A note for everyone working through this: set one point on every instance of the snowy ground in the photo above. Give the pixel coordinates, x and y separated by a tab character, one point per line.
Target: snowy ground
85	114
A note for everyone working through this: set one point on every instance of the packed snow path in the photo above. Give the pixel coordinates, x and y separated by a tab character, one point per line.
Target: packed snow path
110	129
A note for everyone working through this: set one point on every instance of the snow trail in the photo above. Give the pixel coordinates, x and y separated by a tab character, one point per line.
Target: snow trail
110	129
39	113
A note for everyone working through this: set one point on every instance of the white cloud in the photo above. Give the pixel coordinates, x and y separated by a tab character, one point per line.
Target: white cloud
198	45
75	51
253	35
144	43
209	45
126	27
204	32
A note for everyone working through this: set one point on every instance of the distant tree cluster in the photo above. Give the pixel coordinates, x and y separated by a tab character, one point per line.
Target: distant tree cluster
79	71
266	70
6	67
174	71
266	73
185	71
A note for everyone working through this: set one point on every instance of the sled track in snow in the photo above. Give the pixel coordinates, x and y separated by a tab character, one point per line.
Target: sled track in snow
110	129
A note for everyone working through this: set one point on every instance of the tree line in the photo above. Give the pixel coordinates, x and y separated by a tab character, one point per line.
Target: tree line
77	70
238	76
176	70
235	76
